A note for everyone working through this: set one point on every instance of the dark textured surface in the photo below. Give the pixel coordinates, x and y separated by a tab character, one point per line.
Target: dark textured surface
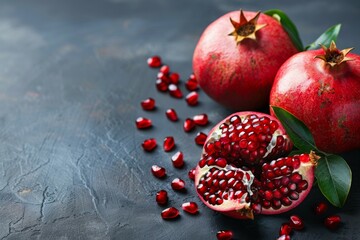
72	76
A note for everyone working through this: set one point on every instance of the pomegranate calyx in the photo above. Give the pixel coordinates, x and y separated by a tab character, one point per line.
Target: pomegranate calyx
333	56
245	28
314	158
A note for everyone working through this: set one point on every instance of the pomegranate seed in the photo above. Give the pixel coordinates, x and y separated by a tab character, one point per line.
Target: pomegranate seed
169	144
200	138
321	208
149	144
191	174
190	207
158	171
191	85
169	213
224	235
161	85
201	119
192	98
162	197
192	77
148	104
285	229
142	123
178	184
165	69
154	61
332	222
171	115
296	222
178	160
175	91
174	78
164	77
284	237
189	125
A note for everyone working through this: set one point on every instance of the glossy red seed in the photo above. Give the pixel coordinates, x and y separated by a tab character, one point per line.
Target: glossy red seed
224	235
158	171
175	91
170	213
285	229
169	143
192	77
284	237
149	144
178	184
164	77
332	222
154	61
296	222
178	160
321	208
171	115
191	85
148	104
190	207
200	138
161	85
174	78
142	123
165	69
221	162
192	98
191	174
201	119
161	197
189	125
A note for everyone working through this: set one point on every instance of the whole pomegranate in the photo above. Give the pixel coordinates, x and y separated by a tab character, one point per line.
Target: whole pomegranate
236	60
240	174
322	88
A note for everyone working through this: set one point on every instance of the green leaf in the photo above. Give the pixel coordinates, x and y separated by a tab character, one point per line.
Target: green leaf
325	39
334	175
297	130
288	25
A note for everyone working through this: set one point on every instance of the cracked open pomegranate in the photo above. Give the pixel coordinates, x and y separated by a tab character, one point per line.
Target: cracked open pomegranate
241	171
237	57
325	84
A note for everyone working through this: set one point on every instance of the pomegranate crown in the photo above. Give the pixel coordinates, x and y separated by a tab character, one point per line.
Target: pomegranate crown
245	28
333	56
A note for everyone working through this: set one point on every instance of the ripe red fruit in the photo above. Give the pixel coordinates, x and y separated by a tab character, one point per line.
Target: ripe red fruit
201	119
189	125
178	160
158	171
169	144
321	208
192	98
285	229
332	222
326	86
161	85
200	138
224	235
171	115
149	144
240	172
162	197
191	85
175	91
164	77
142	123
174	78
178	184
235	61
154	61
148	104
165	69
169	213
296	222
190	207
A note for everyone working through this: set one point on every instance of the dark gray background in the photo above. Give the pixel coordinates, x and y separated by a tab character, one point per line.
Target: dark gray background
72	75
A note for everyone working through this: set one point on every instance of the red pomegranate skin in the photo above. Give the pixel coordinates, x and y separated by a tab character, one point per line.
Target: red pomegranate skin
325	98
240	76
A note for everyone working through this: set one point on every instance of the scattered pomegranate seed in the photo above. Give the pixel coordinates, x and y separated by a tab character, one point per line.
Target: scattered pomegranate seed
169	213
165	69
191	174
162	197
321	208
169	144
178	184
178	160
171	115
189	125
149	144
164	77
201	119
142	123
190	207
296	222
191	85
200	138
192	77
154	61
161	85
148	104
158	171
175	91
224	235
285	229
284	237
174	78
192	98
332	222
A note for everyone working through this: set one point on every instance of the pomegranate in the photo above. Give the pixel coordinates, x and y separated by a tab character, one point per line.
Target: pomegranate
190	207
326	84
224	235
320	208
332	222
296	222
170	213
240	179
235	61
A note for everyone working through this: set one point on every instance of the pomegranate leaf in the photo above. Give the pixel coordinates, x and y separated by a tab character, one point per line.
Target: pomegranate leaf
325	39
288	25
298	132
334	176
